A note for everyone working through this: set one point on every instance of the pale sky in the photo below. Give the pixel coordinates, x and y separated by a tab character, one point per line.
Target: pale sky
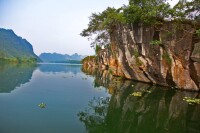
53	25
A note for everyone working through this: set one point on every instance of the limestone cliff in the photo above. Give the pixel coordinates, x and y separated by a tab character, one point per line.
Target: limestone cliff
174	60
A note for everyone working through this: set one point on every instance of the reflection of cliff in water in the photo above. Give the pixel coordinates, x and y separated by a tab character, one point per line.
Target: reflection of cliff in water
60	68
13	75
158	110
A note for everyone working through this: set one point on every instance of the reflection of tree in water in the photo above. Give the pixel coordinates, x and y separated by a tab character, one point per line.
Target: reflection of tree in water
158	110
94	115
13	75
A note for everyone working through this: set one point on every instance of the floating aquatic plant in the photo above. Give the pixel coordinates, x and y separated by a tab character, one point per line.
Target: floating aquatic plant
190	100
137	94
42	105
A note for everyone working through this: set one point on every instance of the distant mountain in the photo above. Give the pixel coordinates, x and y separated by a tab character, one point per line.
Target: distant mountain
56	57
14	48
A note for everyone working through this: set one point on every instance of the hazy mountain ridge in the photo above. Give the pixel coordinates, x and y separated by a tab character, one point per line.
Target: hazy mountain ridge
15	48
56	57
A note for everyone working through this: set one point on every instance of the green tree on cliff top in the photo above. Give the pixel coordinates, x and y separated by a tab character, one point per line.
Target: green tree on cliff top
146	12
101	24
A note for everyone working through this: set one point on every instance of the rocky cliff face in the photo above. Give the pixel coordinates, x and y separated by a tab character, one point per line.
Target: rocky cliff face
167	55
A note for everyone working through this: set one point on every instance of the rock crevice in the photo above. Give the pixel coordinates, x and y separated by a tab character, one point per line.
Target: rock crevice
167	55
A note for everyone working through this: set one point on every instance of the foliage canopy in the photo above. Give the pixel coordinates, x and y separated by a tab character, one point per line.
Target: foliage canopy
101	24
146	12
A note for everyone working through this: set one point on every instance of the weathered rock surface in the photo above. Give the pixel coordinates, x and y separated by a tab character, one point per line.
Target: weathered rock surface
174	63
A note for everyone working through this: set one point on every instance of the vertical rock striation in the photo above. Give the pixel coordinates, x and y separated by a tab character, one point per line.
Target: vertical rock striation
174	60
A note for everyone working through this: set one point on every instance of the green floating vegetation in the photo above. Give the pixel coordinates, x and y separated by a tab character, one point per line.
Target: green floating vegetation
42	105
139	94
190	100
136	94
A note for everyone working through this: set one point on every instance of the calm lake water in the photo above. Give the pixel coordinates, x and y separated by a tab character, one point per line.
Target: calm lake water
88	102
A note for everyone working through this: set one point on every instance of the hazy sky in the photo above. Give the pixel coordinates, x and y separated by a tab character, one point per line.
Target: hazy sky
53	25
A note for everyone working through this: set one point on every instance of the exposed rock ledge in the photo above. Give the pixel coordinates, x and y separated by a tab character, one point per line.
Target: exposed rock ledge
174	63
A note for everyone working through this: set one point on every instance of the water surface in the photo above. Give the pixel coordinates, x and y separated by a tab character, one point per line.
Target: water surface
61	87
91	101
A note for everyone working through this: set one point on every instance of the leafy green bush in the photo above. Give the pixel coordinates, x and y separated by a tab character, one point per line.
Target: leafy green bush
167	58
138	62
97	49
135	53
198	32
110	71
156	42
